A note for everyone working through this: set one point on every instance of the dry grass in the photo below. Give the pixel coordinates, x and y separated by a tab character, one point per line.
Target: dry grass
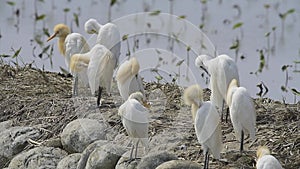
32	97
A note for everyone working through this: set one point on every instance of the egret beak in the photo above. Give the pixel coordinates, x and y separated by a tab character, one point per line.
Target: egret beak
146	104
205	70
94	31
52	36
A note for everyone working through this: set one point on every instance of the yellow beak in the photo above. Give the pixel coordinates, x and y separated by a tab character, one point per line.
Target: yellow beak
146	104
52	36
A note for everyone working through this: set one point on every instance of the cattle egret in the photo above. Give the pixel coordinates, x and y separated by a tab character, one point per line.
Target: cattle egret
128	79
206	122
100	66
108	35
242	111
68	45
265	160
135	120
222	70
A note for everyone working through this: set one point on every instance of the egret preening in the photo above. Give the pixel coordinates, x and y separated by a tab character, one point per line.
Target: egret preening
100	65
206	121
135	120
128	79
68	45
222	70
108	35
265	160
242	111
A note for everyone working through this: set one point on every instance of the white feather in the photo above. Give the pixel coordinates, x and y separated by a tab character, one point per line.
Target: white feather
268	162
222	70
242	112
135	119
208	129
100	69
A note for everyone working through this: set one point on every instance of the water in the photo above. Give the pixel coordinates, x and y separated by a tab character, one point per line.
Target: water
216	16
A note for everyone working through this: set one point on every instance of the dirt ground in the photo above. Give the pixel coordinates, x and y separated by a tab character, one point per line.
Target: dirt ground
31	97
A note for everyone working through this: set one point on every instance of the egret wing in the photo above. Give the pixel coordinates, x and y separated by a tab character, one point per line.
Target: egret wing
227	71
109	36
99	69
207	120
243	113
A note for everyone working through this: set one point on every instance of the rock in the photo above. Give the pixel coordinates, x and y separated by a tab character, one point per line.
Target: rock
39	157
69	162
155	159
105	157
179	164
87	151
52	142
5	125
125	163
78	134
13	140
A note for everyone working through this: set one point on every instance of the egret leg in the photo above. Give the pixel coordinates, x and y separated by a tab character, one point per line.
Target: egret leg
75	85
99	96
136	148
131	152
227	113
222	109
206	160
242	142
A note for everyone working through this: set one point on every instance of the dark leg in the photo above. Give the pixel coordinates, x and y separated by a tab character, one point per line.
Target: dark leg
222	111
227	113
136	148
99	96
206	160
131	152
242	142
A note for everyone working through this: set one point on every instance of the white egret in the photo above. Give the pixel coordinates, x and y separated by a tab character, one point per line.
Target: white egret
128	79
206	121
108	35
222	70
265	160
68	45
242	111
100	66
135	120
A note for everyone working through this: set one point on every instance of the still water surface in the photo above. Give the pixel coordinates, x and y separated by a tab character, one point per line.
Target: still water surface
216	17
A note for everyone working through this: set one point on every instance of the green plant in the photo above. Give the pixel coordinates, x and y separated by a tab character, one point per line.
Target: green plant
125	37
284	68
283	16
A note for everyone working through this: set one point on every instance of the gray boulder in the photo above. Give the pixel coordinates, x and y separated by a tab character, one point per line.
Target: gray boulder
13	140
125	163
179	164
39	157
69	162
78	134
105	157
87	151
153	160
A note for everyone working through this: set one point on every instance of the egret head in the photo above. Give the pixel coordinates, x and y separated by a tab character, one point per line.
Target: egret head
60	30
92	26
200	62
261	151
140	98
193	95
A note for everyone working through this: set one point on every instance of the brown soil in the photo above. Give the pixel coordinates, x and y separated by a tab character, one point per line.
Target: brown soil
31	97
